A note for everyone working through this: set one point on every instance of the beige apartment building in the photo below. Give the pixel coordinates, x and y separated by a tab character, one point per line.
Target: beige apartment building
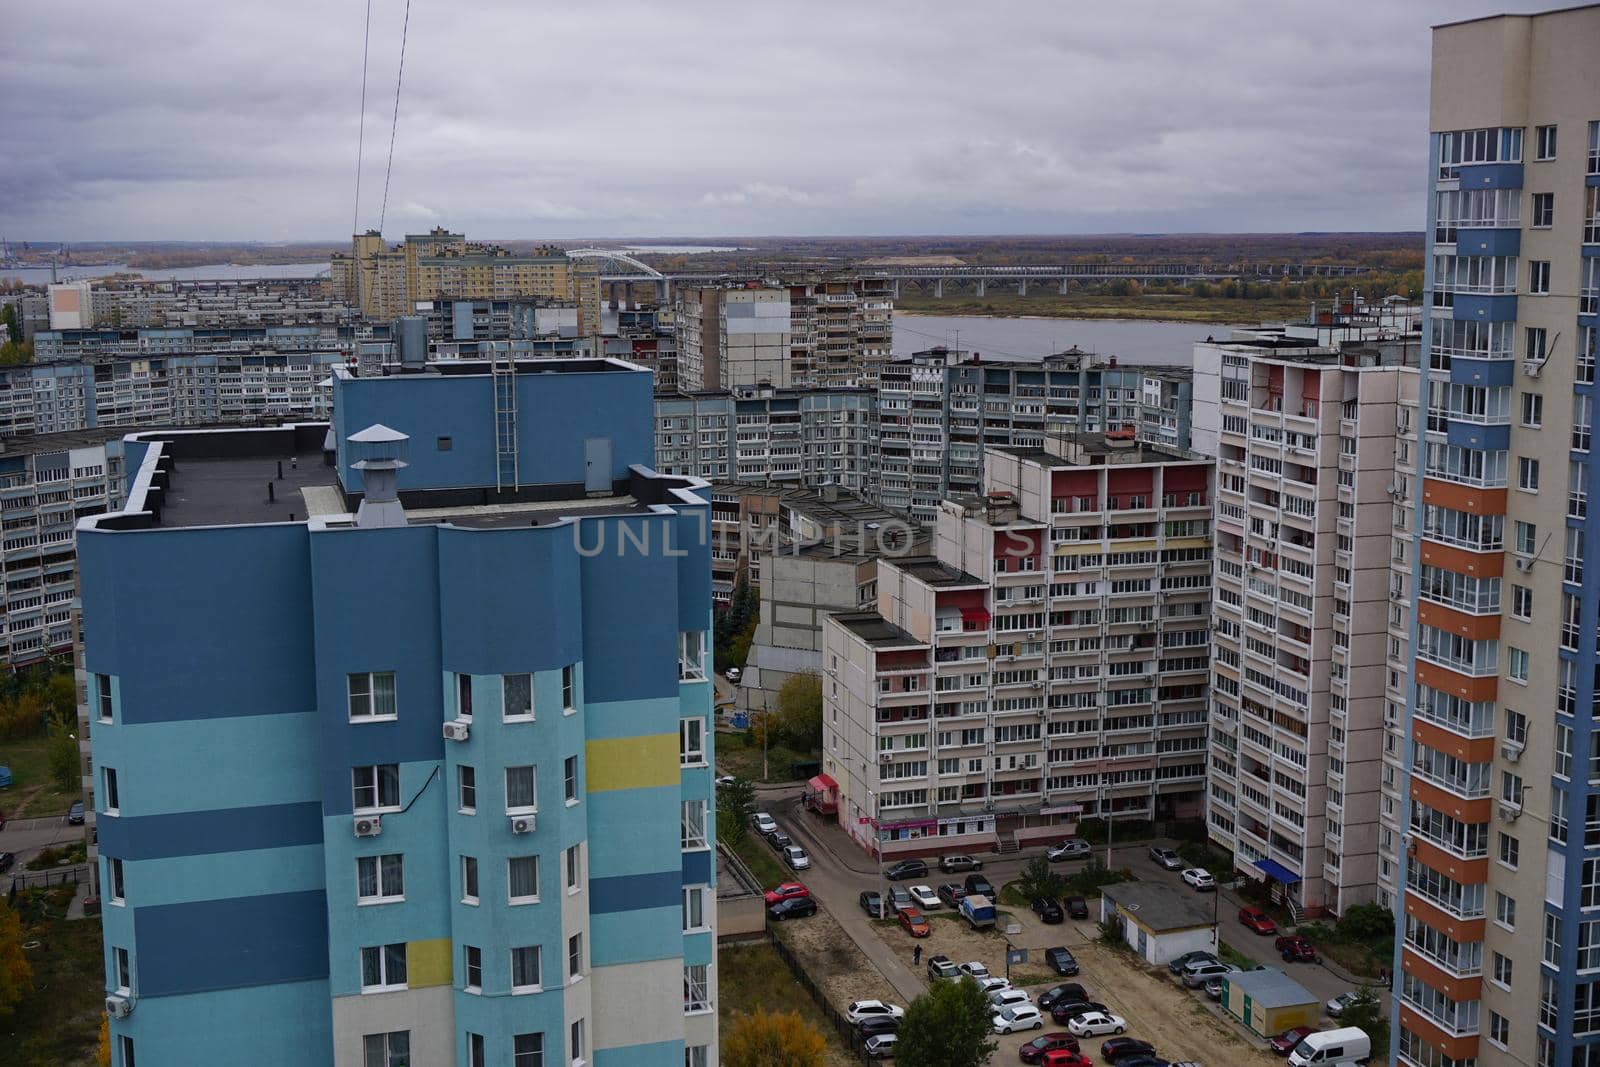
730	337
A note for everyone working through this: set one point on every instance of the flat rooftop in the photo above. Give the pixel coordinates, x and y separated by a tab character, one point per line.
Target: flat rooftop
877	631
233	491
1161	906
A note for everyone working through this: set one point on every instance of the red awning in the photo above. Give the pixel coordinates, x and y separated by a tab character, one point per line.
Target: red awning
974	615
823	782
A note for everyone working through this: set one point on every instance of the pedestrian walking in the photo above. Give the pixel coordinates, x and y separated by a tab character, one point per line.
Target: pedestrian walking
916	956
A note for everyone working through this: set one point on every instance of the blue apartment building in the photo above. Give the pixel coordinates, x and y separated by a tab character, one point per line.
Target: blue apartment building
402	732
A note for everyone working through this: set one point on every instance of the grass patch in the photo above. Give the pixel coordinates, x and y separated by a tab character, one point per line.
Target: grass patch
1232	955
739	754
1360	960
33	792
761	860
77	852
754	976
1042	300
58	1021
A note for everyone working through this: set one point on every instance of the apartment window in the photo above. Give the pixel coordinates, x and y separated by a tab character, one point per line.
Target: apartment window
522	879
568	688
1516	727
371	696
692	742
472	959
125	1047
380	879
477	1056
521	794
467	787
1582	416
1510	850
103	696
469	879
114	881
697	1056
1499	1029
1517	666
693	825
124	971
1528	474
1562	767
1544	210
1526	538
526	975
386	1050
696	988
1510	787
1521	602
1544	142
694	908
569	773
1552	939
575	956
1532	410
376	788
576	1038
1505	910
383	967
527	1050
464	696
516	697
574	871
1501	971
1539	276
692	656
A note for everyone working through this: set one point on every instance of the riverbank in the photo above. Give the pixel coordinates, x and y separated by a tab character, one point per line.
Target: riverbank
1147	308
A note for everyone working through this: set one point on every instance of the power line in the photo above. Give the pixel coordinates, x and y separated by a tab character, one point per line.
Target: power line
361	131
399	76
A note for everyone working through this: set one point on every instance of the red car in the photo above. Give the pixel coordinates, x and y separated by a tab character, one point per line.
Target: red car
1285	1042
915	924
1036	1050
786	891
1296	948
1257	920
1065	1058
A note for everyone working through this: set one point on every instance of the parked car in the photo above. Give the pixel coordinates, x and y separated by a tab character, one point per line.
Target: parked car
1177	965
7	861
75	813
951	893
1061	961
1065	1058
1033	1051
779	840
796	858
1057	994
958	861
1067	1009
1338	1004
899	899
1073	848
924	897
1077	907
1200	878
732	674
725	779
785	890
974	969
992	984
904	869
914	923
1118	1047
1167	858
979	886
763	823
1296	949
979	911
880	1047
941	967
1019	1017
1213	987
1257	920
1199	973
793	908
1285	1042
1095	1023
866	1009
1001	999
871	903
880	1025
1142	1061
1047	910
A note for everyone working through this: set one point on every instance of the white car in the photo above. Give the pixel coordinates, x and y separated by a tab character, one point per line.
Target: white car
880	1046
1001	999
925	897
993	984
1095	1023
796	858
1200	878
1165	857
1020	1017
725	779
732	674
861	1010
1338	1004
763	822
976	970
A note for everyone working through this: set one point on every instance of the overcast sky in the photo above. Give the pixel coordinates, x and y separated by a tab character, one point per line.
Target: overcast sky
169	119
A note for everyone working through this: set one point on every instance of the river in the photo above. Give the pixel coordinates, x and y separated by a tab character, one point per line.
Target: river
1130	340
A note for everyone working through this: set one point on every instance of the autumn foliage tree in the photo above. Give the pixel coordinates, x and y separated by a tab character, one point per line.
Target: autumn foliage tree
772	1039
948	1026
800	711
16	974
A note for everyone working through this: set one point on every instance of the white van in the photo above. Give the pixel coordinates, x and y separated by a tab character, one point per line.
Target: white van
1348	1044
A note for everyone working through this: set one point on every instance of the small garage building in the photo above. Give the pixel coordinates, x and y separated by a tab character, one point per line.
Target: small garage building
1161	922
1269	1001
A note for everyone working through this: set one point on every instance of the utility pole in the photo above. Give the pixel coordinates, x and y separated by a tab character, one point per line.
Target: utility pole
1105	808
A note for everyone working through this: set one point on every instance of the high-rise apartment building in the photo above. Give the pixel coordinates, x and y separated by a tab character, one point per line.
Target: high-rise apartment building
429	779
1308	440
1047	663
1500	907
728	337
841	329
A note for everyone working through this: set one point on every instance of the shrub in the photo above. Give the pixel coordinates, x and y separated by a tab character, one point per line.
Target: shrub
1039	879
1366	922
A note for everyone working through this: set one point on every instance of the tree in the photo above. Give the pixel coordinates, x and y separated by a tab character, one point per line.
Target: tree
1366	922
800	711
61	697
772	1039
1366	1012
949	1026
1039	879
16	976
735	802
102	1048
64	768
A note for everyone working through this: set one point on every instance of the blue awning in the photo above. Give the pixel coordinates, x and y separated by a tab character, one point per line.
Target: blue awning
1277	871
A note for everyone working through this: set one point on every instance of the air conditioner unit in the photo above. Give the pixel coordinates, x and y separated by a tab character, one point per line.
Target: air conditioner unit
457	730
368	825
1511	750
522	824
1510	812
1524	565
885	757
119	1007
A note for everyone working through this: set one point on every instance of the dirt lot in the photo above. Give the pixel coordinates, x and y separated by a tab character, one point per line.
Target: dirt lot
833	961
1182	1025
754	976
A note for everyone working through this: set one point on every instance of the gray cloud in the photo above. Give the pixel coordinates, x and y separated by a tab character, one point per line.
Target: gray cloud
175	119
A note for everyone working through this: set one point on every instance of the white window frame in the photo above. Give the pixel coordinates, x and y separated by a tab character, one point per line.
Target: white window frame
696	989
695	916
375	772
383	958
369	698
111	793
691	655
463	787
569	780
522	809
576	1037
527	1058
572	862
569	689
388	1055
115	881
471	879
122	961
464	697
103	697
692	749
576	965
506	712
538	970
693	837
471	960
537	873
379	878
